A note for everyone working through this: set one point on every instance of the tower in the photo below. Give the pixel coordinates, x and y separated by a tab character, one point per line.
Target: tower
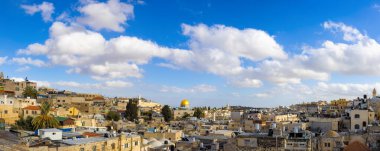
374	92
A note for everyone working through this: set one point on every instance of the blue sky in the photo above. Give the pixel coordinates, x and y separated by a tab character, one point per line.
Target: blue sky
253	53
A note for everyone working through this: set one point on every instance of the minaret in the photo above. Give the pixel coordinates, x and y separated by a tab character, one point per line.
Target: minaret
374	93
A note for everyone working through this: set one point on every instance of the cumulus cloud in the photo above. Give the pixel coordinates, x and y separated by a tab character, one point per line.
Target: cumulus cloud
46	9
111	15
358	54
218	49
198	88
29	61
88	52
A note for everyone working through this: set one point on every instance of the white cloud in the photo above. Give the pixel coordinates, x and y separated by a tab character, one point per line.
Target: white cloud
23	69
198	88
3	60
110	16
104	85
118	84
357	55
17	79
46	9
88	52
218	49
247	83
35	49
42	83
29	61
68	84
261	95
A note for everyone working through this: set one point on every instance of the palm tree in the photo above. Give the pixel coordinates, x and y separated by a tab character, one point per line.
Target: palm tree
45	120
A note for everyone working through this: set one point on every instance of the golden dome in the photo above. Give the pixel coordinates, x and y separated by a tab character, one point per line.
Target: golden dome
332	134
185	103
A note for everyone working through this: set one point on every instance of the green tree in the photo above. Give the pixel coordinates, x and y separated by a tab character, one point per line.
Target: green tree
186	115
24	124
30	92
198	113
131	112
45	120
167	113
112	115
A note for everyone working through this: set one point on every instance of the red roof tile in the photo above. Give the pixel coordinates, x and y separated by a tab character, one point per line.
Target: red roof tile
91	134
32	107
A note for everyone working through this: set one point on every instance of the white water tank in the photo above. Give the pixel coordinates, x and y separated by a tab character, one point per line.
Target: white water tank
295	129
274	125
257	126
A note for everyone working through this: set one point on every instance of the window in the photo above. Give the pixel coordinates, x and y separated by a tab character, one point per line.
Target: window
94	148
5	111
63	100
364	124
103	147
81	149
357	116
113	146
126	145
136	143
53	133
357	126
247	142
27	112
59	101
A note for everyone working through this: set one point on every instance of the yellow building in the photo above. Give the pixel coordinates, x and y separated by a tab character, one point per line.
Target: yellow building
8	114
73	111
32	111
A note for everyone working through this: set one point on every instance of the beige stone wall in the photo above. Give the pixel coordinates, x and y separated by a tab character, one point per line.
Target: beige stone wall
122	143
246	142
363	117
8	114
180	113
172	136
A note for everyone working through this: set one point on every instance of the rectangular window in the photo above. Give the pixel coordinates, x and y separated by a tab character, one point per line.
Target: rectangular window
136	143
103	147
357	116
126	145
5	111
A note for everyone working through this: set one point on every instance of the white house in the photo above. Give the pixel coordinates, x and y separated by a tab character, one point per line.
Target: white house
52	133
